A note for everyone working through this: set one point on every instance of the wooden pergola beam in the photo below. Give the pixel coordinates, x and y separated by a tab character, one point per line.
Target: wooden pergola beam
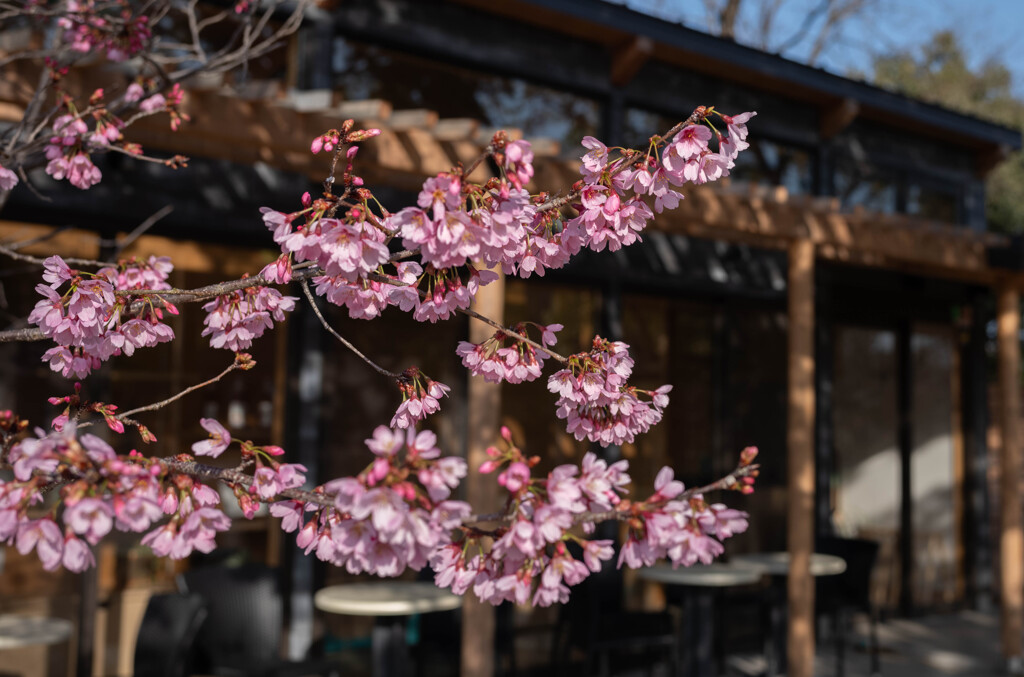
1011	537
800	460
838	117
986	161
629	59
483	417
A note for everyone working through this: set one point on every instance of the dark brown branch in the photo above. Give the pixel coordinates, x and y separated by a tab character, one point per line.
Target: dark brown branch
312	303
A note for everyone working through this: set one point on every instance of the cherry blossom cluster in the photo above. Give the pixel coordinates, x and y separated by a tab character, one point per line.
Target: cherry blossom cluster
421	397
90	322
234	320
8	179
270	478
67	154
683	531
394	515
597	402
100	491
456	223
515	363
109	27
530	560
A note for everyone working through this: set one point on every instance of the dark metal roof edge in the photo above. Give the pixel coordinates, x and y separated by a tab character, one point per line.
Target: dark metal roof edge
775	66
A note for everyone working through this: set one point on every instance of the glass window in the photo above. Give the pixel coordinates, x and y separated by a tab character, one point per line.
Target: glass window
408	81
769	163
932	204
859	186
640	125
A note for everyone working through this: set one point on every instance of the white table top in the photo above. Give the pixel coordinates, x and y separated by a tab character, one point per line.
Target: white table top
18	631
714	575
777	563
386	598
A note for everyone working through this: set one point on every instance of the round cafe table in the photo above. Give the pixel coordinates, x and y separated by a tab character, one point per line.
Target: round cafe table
698	584
391	603
18	631
776	565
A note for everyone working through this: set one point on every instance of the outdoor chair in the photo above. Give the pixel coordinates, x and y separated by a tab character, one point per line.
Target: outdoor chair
850	591
242	634
438	648
612	640
163	647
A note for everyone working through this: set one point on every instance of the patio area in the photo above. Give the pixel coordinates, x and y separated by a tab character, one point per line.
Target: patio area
960	643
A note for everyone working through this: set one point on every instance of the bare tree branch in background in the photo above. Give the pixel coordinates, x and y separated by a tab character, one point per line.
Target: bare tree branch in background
758	23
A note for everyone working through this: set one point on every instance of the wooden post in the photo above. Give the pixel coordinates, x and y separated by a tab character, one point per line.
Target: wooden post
800	442
482	420
1011	540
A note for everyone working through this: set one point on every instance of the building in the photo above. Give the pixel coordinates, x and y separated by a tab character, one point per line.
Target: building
829	304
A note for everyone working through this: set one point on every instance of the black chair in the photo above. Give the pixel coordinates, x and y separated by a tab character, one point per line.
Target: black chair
163	647
242	634
612	640
850	591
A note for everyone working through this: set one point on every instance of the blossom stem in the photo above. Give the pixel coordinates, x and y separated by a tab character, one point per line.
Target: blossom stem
173	398
312	303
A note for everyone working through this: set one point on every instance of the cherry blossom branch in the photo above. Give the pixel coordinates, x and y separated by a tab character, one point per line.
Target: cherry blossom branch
728	483
242	362
512	334
626	160
484	154
312	303
208	473
17	256
140	229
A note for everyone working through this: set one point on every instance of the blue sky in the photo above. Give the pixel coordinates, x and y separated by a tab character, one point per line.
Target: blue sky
987	29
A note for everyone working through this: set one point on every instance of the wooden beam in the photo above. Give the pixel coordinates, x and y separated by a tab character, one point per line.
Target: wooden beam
365	109
1011	537
838	117
430	156
482	420
412	118
986	161
629	59
455	129
800	460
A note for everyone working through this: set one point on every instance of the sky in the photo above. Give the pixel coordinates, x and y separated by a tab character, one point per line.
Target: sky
987	29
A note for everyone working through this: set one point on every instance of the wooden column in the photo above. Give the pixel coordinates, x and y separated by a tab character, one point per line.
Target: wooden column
1011	540
482	421
800	443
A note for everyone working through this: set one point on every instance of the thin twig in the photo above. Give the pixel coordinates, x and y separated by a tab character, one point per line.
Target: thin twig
512	334
7	251
312	302
237	364
140	229
36	240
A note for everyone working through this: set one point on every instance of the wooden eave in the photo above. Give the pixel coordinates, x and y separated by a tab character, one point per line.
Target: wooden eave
613	25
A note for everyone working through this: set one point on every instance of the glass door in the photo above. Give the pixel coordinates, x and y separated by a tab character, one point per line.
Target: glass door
868	486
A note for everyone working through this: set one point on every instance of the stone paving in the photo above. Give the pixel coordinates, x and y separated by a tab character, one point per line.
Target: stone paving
962	643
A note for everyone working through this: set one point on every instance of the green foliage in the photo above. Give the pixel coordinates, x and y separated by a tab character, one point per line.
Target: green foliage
939	73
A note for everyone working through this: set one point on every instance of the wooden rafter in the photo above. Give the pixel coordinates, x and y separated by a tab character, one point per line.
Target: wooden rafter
836	118
628	59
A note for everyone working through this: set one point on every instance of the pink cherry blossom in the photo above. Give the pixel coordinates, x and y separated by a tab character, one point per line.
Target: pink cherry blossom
8	179
220	438
90	517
